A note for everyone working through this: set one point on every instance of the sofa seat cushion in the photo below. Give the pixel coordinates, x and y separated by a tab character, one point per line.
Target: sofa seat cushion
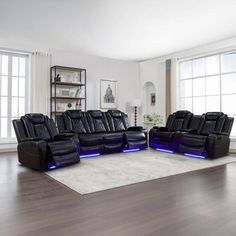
63	153
68	159
193	140
135	139
60	148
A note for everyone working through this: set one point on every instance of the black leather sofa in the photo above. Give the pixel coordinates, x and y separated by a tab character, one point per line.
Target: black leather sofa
102	132
204	136
40	146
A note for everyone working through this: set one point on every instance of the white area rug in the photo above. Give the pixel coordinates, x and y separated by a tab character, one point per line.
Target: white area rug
115	170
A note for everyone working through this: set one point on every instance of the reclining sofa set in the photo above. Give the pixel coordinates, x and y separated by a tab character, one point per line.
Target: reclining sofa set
82	134
91	133
204	136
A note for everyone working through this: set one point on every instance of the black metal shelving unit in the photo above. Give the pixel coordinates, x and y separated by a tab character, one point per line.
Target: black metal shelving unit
67	79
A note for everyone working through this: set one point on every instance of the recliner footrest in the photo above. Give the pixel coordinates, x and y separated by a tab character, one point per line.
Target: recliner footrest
63	153
66	159
135	139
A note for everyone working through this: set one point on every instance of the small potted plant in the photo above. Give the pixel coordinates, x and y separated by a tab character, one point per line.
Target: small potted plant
155	118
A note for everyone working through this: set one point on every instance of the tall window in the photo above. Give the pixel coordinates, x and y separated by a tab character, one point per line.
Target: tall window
209	84
13	92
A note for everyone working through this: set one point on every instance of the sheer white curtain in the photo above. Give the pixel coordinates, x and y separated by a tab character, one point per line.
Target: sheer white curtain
174	85
40	82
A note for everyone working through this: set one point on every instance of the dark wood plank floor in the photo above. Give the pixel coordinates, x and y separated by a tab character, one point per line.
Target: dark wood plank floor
197	203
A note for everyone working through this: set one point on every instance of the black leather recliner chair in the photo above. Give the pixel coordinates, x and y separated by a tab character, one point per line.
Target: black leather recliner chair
162	137
40	146
205	136
102	132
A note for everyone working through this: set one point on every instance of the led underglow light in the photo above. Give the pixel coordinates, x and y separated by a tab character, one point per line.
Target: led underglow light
51	166
90	155
131	150
156	138
194	155
164	150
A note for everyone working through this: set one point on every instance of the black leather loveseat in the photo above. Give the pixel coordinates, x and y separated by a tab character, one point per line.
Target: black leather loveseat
40	146
102	132
204	136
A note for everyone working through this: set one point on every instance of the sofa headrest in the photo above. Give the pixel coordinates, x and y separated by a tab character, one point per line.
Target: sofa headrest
74	114
95	113
115	113
213	115
36	118
181	114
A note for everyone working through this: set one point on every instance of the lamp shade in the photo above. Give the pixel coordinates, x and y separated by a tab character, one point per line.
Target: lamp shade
135	103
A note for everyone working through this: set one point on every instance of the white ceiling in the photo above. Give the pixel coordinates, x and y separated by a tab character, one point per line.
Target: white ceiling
121	29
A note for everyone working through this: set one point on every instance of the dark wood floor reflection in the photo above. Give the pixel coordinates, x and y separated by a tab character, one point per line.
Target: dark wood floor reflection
196	203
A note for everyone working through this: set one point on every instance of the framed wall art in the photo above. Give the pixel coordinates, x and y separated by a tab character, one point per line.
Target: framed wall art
108	94
153	99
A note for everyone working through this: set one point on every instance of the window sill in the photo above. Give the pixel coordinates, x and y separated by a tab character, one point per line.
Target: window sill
8	145
8	141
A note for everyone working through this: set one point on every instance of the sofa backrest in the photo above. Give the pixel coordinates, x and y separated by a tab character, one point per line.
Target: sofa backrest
97	121
228	125
212	122
179	120
195	122
76	121
39	126
118	121
169	121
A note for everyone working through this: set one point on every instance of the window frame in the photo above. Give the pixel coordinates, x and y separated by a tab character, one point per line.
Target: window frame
10	54
205	76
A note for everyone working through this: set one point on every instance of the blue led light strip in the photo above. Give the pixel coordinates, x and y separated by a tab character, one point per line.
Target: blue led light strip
51	166
90	155
194	155
131	150
164	150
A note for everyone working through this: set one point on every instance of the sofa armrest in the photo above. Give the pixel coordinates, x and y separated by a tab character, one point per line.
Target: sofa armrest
137	128
157	128
217	145
33	154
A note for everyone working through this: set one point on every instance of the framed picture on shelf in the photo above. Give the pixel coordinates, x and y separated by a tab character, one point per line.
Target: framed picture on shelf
65	92
108	94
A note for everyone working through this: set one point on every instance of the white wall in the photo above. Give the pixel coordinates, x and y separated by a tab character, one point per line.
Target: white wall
126	73
154	71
